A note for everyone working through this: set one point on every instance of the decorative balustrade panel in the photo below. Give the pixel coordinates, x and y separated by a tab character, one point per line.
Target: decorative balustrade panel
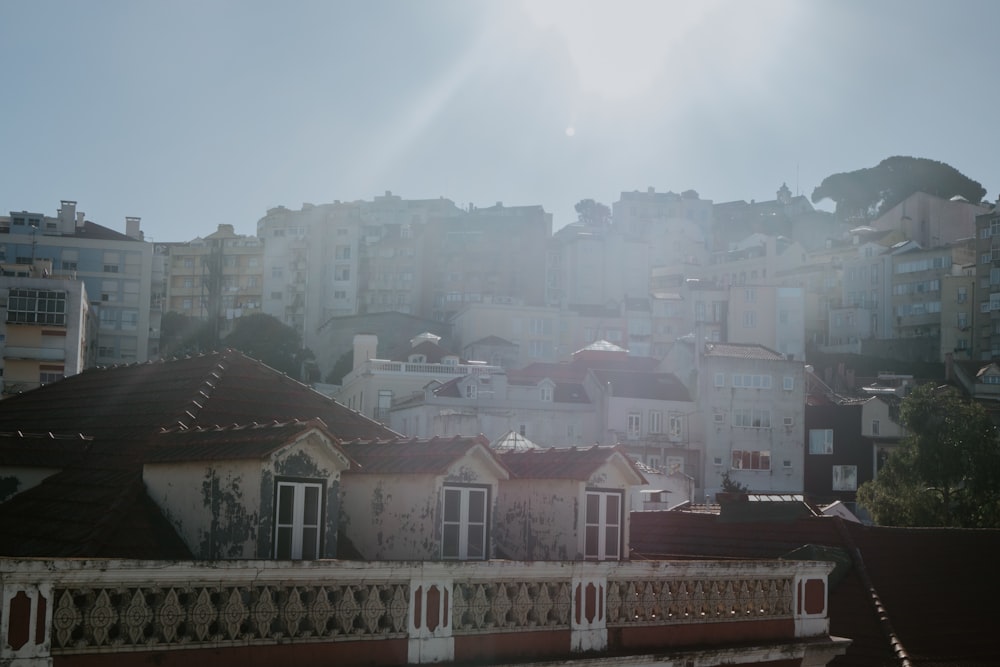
698	600
512	606
142	618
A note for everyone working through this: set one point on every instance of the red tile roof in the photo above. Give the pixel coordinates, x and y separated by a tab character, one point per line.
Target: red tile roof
937	587
632	384
562	462
412	456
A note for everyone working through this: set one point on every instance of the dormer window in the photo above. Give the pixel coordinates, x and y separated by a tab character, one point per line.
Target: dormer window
418	359
545	393
450	361
470	390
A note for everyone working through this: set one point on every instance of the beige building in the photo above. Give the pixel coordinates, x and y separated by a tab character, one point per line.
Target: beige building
49	330
116	269
218	278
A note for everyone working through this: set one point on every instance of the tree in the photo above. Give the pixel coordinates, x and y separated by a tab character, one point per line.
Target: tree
865	194
592	213
266	339
182	335
946	472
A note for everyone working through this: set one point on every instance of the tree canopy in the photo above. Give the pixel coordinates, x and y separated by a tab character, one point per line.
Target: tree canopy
946	472
182	335
267	339
865	194
592	212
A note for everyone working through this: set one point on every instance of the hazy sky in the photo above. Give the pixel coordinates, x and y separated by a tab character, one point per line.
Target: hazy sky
195	113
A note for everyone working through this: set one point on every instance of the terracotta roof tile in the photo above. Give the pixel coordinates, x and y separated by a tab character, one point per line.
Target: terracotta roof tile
255	441
561	462
938	586
413	456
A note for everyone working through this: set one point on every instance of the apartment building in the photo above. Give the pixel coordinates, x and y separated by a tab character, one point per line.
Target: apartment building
752	400
493	254
49	329
115	268
218	278
986	297
345	258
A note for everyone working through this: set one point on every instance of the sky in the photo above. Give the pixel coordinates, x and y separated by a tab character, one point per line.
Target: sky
194	113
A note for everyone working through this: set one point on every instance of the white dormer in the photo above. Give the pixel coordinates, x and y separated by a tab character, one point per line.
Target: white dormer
546	390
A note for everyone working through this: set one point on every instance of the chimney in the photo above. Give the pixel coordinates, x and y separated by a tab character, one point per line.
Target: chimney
132	228
67	216
365	346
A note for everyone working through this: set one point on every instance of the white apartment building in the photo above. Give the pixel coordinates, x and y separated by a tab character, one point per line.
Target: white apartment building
48	330
115	268
753	402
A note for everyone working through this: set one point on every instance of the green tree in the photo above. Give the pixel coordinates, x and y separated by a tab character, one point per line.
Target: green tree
865	194
592	213
182	335
946	472
268	340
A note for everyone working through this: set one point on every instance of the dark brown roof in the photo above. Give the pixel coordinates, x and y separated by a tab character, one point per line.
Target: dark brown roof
218	389
937	586
100	426
632	384
231	443
563	462
412	456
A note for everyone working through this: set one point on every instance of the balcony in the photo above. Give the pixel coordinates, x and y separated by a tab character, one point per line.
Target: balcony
34	353
352	613
383	367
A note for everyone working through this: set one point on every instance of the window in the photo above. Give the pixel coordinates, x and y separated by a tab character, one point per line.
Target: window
545	394
34	306
845	478
788	383
47	377
752	381
749	319
342	252
789	421
719	418
69	266
749	295
656	421
463	532
752	417
720	379
676	427
602	529
821	441
470	390
751	460
298	528
342	273
634	427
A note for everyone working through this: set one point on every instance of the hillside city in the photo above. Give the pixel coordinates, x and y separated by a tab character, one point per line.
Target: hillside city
440	321
403	432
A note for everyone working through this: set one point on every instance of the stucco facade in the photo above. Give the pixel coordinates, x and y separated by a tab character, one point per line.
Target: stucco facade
225	509
401	516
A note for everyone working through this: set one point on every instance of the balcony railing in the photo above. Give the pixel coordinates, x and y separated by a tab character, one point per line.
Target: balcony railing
385	366
416	612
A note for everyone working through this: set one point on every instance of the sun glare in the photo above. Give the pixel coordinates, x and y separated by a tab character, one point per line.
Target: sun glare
618	48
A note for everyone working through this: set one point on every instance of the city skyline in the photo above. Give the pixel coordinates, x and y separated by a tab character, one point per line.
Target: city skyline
191	115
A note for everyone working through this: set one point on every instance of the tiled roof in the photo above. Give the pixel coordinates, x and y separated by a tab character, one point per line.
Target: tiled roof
254	441
222	388
937	586
413	456
742	351
631	384
92	230
562	462
99	427
492	340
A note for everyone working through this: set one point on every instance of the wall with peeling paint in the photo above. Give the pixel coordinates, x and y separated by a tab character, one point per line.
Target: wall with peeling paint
398	517
15	479
213	507
536	519
541	519
225	509
310	458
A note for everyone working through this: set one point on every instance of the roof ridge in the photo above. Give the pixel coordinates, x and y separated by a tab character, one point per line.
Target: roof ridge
208	386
